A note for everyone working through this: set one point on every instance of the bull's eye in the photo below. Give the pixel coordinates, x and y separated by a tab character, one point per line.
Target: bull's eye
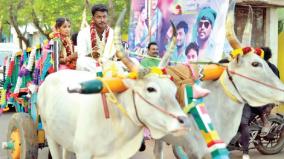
151	89
256	64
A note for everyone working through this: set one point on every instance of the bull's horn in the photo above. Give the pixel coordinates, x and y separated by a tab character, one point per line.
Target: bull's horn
230	22
120	53
165	60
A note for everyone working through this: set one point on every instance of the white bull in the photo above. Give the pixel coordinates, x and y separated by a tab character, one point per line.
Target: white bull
77	122
225	112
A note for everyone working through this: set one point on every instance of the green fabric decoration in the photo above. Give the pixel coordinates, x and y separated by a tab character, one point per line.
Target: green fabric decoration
189	93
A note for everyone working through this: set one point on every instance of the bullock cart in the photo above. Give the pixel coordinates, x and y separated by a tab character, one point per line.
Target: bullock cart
24	72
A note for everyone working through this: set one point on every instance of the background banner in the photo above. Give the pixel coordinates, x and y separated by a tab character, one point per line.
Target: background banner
200	24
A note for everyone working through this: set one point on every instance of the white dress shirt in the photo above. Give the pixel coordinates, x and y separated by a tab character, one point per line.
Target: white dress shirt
84	47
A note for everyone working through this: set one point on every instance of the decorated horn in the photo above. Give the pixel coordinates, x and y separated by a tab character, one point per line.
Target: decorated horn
102	85
230	22
118	44
165	60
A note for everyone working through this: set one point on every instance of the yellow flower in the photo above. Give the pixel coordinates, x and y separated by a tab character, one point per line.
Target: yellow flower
236	52
29	49
156	70
19	53
132	75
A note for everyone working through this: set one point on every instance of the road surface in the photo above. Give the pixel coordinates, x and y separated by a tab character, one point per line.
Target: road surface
148	154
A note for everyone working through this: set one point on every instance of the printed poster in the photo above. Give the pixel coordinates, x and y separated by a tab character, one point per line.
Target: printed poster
200	27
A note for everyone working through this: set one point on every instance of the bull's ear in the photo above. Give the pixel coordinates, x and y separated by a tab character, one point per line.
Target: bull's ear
129	83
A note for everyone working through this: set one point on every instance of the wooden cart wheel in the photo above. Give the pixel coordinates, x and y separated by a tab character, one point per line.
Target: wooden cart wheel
22	134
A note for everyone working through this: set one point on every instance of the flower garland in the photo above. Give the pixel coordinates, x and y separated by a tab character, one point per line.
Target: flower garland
97	44
25	69
38	65
246	50
148	72
259	52
67	44
46	63
4	95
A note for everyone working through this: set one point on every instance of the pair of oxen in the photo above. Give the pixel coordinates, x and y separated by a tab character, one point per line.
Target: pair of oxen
76	123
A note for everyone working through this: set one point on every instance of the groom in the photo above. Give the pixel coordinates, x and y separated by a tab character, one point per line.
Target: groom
94	43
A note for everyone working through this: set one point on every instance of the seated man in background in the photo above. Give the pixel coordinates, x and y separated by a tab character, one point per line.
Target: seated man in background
153	55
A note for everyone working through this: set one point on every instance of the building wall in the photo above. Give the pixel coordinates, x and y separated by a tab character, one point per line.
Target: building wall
271	32
281	64
281	46
277	3
256	34
271	22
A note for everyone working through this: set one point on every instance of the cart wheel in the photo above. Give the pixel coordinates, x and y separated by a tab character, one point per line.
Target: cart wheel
23	136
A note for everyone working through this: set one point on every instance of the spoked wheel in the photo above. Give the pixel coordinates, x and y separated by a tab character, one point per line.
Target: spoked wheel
22	137
273	143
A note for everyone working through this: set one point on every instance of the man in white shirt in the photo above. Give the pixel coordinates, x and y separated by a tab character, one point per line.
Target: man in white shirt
95	43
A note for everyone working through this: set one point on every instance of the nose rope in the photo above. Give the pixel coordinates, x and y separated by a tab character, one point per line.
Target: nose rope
157	107
265	84
235	86
136	112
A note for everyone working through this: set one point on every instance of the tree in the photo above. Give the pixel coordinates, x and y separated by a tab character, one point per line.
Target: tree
15	8
44	17
4	23
42	14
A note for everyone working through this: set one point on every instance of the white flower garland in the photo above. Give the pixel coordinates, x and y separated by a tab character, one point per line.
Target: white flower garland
101	43
7	66
28	67
31	59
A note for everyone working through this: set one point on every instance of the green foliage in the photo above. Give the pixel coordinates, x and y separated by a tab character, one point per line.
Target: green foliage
4	16
47	11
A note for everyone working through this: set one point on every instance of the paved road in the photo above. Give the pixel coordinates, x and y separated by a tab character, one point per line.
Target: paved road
4	119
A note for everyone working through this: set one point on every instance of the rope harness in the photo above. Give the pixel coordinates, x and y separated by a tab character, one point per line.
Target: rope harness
235	86
234	98
115	101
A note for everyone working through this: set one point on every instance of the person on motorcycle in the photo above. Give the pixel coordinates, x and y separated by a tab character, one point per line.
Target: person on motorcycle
263	112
